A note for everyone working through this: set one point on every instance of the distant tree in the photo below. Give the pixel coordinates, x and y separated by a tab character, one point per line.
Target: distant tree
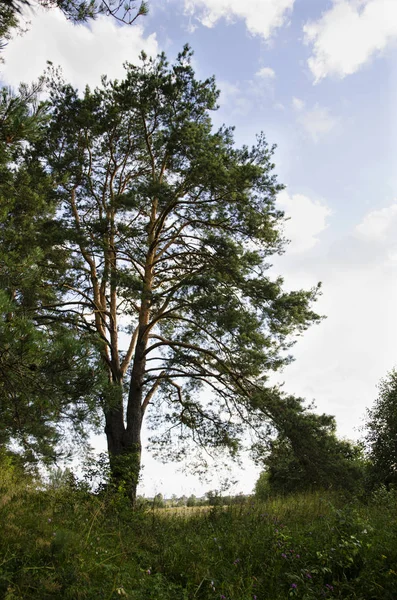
262	488
143	503
239	498
158	501
169	229
306	454
61	478
381	437
214	498
191	501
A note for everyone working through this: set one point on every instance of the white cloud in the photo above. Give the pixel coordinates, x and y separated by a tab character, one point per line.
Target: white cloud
229	91
261	17
85	53
340	361
266	73
349	34
240	98
317	122
307	219
298	104
379	225
233	99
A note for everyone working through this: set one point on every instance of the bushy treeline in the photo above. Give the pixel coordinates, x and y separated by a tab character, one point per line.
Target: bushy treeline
308	455
211	498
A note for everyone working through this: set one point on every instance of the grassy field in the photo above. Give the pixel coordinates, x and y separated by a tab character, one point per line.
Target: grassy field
65	543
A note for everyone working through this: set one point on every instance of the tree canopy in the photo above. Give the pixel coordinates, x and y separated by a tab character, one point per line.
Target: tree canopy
306	453
47	375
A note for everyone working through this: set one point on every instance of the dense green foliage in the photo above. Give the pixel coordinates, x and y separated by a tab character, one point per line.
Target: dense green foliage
61	542
8	22
307	455
47	372
381	437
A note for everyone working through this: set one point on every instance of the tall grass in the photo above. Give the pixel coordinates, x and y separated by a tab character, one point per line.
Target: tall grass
65	543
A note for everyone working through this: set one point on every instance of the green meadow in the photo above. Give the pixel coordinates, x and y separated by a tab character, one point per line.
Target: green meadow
64	542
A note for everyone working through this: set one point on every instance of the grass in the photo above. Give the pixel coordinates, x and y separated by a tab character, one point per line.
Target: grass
64	543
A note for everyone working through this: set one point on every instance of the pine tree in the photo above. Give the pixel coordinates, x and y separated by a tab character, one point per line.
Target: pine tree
169	228
45	371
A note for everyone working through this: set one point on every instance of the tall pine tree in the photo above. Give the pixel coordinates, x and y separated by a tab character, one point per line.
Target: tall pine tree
169	228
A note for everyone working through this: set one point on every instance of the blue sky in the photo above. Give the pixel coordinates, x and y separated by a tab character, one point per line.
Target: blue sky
319	77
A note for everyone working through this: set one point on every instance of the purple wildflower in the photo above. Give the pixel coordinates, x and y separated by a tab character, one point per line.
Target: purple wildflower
294	586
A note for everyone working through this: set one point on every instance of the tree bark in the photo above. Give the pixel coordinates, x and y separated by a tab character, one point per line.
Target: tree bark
124	449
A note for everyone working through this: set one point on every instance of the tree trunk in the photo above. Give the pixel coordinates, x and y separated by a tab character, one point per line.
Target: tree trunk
124	441
124	449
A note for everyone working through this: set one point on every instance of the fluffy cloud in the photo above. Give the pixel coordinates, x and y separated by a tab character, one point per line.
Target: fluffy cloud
85	53
349	34
340	361
229	91
261	17
233	100
317	122
379	225
306	220
377	232
241	98
298	104
266	73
